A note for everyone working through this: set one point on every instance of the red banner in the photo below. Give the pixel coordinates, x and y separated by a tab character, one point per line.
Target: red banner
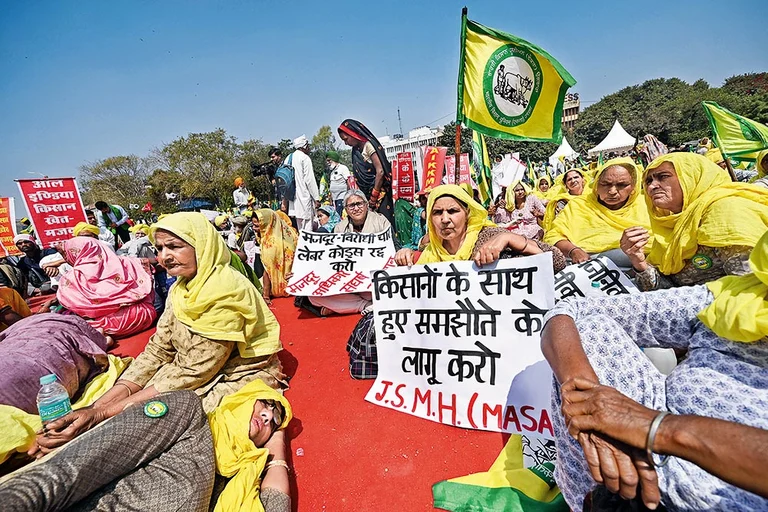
54	207
402	182
465	175
7	228
434	160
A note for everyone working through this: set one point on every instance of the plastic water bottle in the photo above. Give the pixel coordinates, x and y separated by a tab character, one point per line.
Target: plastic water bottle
52	399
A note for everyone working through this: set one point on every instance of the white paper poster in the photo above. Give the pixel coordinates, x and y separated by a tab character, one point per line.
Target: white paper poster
578	280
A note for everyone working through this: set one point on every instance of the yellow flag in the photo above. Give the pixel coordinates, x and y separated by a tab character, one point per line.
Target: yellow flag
738	137
509	88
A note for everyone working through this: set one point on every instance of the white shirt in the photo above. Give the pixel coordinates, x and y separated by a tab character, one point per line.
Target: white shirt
122	220
106	236
338	181
303	207
241	195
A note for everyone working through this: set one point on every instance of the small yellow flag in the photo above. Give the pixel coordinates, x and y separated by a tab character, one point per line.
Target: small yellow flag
509	88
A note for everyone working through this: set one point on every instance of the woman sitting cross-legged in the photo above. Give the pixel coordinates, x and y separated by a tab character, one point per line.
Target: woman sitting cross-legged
215	335
522	212
709	416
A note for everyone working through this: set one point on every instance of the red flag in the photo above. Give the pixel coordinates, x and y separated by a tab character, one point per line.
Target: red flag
434	161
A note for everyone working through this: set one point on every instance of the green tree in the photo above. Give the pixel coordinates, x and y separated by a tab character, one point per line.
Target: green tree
118	179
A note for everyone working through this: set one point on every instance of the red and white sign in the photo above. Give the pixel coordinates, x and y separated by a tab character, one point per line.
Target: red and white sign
402	176
7	227
465	175
54	207
434	160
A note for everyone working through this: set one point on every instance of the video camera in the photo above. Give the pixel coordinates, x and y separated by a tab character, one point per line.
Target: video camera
264	169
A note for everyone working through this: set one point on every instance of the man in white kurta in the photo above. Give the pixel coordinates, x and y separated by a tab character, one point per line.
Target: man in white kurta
307	195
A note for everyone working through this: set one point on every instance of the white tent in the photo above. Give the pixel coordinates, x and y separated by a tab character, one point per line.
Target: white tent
617	140
565	150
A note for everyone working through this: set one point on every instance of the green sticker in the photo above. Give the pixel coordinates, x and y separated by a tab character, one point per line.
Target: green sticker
701	262
155	409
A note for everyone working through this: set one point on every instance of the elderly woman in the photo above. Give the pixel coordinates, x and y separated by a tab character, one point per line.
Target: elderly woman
596	224
521	213
216	334
359	220
277	242
162	455
459	229
704	226
573	184
327	218
618	410
370	167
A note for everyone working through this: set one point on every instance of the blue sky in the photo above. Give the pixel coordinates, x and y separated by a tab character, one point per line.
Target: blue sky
84	80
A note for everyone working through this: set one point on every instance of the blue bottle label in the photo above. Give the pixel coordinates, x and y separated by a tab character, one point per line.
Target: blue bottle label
55	410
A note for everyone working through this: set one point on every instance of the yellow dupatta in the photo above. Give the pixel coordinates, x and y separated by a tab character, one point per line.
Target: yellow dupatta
509	196
716	213
543	195
219	303
740	309
762	170
560	192
278	245
476	221
594	227
236	455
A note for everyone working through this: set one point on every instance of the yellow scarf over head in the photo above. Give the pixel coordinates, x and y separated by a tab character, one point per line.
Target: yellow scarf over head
762	169
740	309
476	221
594	227
219	303
509	197
278	242
558	193
538	193
716	212
236	455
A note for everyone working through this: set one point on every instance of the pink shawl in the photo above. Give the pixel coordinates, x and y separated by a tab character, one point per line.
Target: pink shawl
100	282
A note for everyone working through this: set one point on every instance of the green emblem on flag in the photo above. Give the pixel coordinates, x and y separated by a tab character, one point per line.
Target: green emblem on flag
749	132
511	85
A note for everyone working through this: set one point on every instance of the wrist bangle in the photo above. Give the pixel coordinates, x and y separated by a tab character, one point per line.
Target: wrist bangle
571	252
652	437
280	463
526	244
130	391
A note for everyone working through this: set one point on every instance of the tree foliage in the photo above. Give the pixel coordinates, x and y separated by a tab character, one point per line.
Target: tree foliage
120	179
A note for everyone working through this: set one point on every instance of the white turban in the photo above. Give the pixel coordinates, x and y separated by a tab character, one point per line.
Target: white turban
300	142
19	238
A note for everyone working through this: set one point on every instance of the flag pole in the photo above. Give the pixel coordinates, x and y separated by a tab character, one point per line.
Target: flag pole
460	94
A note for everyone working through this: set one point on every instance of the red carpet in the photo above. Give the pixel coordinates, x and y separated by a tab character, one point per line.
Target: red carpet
356	456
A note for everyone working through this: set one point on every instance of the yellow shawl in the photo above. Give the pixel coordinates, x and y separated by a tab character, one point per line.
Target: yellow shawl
740	309
761	169
543	195
219	303
716	213
509	197
595	228
278	245
478	219
236	455
560	192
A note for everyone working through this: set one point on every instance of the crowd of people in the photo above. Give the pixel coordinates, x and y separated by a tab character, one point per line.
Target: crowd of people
693	241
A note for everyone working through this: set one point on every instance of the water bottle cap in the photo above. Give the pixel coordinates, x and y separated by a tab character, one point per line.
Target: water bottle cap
595	284
48	379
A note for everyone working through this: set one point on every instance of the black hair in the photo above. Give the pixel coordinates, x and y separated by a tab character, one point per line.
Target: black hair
101	205
273	151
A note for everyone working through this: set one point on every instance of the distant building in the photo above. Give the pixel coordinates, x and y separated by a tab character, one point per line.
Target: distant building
571	108
418	137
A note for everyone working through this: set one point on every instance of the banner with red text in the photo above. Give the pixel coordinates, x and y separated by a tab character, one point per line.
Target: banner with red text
434	161
402	176
465	171
337	263
54	207
459	345
8	227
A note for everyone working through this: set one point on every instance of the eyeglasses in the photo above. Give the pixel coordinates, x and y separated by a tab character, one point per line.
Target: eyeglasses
355	206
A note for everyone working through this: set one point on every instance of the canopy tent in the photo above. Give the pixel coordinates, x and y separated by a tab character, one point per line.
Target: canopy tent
617	140
565	150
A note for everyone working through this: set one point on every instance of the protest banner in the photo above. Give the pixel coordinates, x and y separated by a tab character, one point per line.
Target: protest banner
460	345
402	176
596	276
54	207
434	161
465	170
8	227
334	263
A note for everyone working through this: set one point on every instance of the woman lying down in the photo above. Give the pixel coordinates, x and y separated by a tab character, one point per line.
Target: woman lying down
162	454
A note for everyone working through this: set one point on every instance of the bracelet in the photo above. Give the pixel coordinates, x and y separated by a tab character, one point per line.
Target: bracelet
526	244
571	251
280	463
375	194
652	437
130	391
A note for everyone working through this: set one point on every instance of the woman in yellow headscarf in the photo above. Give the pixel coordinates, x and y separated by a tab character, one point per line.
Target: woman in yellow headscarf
459	230
215	335
761	166
571	186
521	212
543	189
595	224
278	242
704	225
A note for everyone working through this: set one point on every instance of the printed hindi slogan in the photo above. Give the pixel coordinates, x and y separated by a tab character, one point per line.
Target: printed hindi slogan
336	263
596	276
7	227
460	345
54	207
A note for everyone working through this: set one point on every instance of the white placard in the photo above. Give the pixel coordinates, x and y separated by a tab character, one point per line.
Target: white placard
335	263
576	280
459	345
